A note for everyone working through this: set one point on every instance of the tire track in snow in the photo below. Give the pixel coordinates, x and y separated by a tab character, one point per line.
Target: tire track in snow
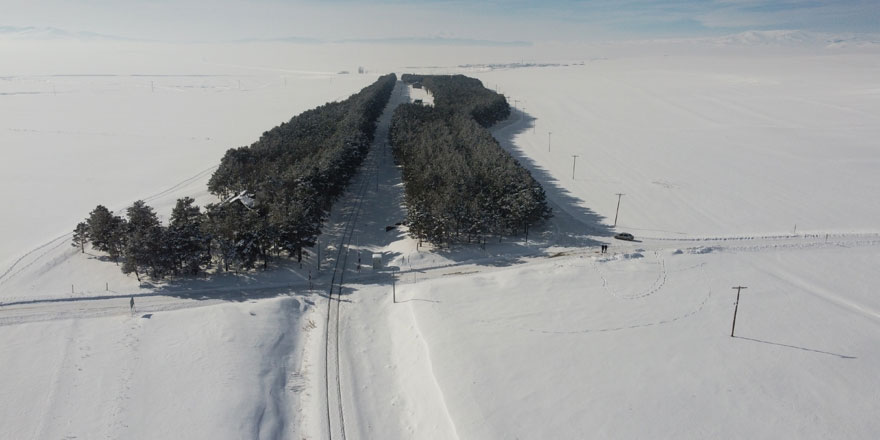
8	274
699	307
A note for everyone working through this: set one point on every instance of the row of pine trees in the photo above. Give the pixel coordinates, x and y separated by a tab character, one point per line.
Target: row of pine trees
276	195
460	185
143	246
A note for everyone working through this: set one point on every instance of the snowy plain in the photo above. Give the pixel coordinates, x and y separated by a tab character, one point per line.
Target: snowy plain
720	150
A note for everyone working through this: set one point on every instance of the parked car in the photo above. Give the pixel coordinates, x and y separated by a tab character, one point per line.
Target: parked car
624	236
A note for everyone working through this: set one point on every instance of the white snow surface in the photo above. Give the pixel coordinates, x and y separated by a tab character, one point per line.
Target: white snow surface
753	167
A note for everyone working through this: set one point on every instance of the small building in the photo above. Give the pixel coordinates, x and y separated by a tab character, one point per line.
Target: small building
244	198
377	261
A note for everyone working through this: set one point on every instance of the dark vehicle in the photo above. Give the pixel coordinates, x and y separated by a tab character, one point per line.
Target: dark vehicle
625	236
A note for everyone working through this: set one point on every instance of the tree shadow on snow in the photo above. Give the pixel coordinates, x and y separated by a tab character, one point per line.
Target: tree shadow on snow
572	223
282	278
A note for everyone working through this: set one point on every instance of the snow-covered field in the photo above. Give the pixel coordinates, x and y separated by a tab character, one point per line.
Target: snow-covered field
752	165
709	145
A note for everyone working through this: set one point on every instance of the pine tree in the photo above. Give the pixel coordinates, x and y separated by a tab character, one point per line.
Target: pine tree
81	236
188	244
107	231
221	226
144	248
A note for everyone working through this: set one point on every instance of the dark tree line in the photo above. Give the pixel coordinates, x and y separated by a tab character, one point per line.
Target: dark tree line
460	185
462	94
276	194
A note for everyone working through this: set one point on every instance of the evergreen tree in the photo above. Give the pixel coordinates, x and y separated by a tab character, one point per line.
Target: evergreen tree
144	248
188	244
106	231
81	236
221	225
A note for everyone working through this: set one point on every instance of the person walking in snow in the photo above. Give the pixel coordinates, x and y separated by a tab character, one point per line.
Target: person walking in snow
131	305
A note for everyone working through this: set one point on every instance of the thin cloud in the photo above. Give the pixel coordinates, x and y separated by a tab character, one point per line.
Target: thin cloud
495	20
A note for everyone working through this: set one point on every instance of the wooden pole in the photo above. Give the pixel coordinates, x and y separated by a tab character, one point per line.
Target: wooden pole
619	195
735	307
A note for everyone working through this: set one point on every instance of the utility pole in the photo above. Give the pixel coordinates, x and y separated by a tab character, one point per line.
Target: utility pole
735	307
548	140
573	163
619	195
393	288
514	104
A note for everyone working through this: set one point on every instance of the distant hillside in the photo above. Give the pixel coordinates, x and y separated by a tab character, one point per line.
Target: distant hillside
51	33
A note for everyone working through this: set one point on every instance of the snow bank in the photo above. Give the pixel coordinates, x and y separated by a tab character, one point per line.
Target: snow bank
225	371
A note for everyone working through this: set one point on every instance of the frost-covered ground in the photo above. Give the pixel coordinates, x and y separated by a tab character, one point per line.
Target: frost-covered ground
720	151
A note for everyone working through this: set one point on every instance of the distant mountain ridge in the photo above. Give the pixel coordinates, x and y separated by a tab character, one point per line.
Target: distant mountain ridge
795	38
52	33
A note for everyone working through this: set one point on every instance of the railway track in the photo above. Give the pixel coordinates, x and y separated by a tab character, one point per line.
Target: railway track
335	412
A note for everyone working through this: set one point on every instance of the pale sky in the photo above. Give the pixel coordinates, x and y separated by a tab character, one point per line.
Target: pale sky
496	20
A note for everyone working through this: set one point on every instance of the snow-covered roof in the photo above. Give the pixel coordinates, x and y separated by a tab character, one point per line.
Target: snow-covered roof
246	199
